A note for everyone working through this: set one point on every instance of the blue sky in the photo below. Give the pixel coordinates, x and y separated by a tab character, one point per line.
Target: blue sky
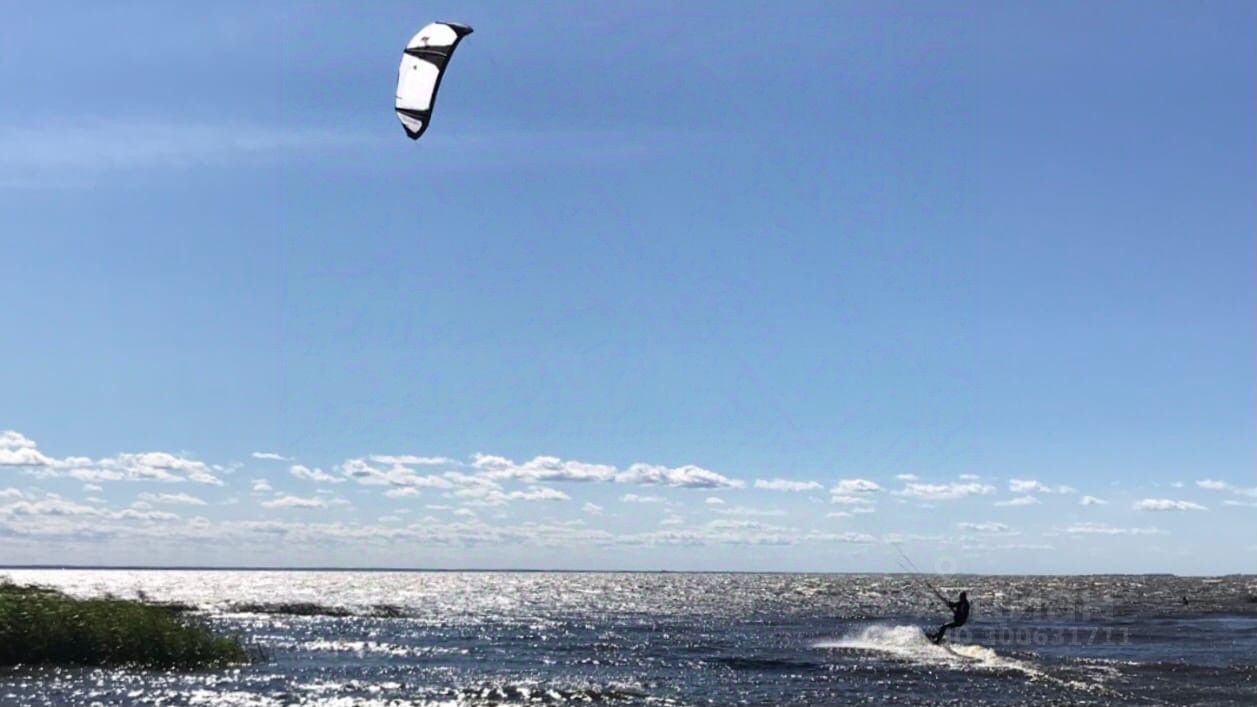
1002	252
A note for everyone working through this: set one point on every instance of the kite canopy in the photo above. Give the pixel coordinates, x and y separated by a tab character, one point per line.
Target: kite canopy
419	76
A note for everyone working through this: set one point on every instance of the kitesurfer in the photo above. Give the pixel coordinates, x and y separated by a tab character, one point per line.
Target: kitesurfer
959	616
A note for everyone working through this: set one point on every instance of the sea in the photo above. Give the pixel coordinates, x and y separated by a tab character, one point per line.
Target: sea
408	638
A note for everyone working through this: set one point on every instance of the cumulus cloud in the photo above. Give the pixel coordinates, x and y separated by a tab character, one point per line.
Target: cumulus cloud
688	476
945	492
907	477
847	487
850	500
1166	504
147	466
1019	501
1033	486
786	485
1092	501
261	486
18	450
403	492
714	501
542	469
318	476
538	493
969	477
592	508
370	472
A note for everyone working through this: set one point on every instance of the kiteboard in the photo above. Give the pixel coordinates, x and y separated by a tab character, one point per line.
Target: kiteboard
945	645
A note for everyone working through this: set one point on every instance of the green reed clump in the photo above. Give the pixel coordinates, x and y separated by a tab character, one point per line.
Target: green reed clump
41	626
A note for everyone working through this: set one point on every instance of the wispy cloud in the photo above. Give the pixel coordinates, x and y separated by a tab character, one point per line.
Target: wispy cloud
1019	501
1102	529
1166	504
94	144
787	485
270	456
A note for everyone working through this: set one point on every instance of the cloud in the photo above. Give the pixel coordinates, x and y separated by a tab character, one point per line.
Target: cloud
542	469
156	466
538	493
177	499
102	144
1244	504
635	498
1032	486
366	471
411	460
592	508
785	485
990	528
846	487
1092	501
740	532
1019	501
851	500
838	514
688	476
300	502
969	477
261	486
270	456
17	449
403	492
1165	504
1102	529
907	477
945	492
1213	485
714	501
747	511
318	476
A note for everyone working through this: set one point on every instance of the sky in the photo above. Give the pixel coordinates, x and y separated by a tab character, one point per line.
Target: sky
699	286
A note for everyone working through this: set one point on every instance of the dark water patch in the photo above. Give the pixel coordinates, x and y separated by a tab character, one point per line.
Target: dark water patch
768	664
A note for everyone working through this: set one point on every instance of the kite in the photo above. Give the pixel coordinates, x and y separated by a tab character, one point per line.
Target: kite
419	77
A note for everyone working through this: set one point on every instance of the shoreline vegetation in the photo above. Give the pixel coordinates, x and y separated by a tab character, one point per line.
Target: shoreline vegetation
42	626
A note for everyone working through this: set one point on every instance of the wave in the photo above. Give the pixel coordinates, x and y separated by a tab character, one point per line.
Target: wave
909	643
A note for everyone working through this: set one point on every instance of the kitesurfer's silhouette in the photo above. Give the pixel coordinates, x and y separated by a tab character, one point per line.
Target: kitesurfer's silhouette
959	616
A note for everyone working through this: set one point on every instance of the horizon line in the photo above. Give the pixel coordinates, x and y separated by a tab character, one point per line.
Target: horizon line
282	568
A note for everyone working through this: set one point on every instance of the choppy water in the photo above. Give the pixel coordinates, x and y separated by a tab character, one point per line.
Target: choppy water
485	638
